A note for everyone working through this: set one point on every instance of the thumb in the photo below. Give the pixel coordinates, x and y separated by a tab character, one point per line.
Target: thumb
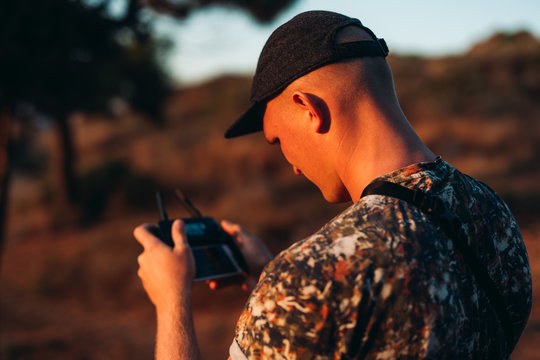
179	234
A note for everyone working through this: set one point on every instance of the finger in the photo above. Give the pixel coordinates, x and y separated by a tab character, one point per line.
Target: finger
144	235
179	234
140	260
228	281
212	284
232	229
140	274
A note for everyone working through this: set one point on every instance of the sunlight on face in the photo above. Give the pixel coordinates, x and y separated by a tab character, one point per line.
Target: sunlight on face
284	124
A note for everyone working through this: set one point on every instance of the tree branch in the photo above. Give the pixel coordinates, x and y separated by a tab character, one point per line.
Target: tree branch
262	10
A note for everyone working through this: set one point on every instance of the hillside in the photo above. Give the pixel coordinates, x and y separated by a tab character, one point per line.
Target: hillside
69	288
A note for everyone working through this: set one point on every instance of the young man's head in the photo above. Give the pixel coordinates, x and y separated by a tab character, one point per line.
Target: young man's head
324	91
307	42
319	118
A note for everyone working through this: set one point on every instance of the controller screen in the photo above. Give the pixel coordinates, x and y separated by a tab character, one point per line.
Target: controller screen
213	261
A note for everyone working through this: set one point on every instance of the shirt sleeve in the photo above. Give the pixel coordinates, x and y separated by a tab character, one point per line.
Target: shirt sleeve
235	352
287	316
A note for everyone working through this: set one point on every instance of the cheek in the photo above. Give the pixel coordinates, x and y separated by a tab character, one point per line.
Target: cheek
288	145
287	154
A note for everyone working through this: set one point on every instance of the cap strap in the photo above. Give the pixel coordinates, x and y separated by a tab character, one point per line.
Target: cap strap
362	48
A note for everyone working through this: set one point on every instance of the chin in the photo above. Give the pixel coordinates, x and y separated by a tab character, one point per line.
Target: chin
336	198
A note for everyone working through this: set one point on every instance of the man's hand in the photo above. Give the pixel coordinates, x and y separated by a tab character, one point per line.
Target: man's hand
167	274
252	248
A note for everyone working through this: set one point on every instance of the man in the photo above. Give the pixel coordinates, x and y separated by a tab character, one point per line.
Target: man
386	278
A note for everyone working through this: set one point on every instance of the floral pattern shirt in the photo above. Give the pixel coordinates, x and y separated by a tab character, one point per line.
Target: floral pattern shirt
382	281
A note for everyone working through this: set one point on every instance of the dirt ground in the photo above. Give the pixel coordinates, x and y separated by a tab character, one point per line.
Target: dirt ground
67	295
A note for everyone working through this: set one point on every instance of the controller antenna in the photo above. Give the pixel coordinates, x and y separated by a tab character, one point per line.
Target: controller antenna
195	213
161	208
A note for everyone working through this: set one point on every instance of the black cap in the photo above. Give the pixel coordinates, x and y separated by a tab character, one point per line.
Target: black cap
301	45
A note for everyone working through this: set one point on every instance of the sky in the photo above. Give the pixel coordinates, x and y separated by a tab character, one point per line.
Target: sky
219	40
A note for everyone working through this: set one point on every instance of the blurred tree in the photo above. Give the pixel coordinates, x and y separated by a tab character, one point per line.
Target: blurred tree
4	167
60	56
262	10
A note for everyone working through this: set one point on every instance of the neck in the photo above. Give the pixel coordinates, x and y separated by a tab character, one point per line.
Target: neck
382	144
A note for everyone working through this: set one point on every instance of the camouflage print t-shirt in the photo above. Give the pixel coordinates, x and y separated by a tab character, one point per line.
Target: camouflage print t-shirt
381	281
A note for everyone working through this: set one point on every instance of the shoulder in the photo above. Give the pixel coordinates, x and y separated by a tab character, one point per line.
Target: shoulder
311	292
376	235
373	222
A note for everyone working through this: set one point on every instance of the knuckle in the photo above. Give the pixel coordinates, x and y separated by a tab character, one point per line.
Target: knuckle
180	248
140	230
140	259
137	231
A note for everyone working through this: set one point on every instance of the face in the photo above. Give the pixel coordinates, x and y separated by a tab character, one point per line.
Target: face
285	124
280	129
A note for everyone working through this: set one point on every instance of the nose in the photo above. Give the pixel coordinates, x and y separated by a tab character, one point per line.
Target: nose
296	170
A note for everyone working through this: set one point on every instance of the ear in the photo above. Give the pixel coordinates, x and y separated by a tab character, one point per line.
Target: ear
315	109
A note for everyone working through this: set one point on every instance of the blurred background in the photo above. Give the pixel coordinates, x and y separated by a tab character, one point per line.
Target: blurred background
102	102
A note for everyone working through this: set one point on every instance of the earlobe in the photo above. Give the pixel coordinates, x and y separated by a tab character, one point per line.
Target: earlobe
315	109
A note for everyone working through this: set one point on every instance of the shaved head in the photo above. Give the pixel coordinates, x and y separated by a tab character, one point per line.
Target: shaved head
351	79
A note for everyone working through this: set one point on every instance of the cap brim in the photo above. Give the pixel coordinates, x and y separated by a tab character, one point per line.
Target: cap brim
251	121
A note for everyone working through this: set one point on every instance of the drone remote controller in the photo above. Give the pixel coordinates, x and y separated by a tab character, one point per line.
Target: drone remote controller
216	254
